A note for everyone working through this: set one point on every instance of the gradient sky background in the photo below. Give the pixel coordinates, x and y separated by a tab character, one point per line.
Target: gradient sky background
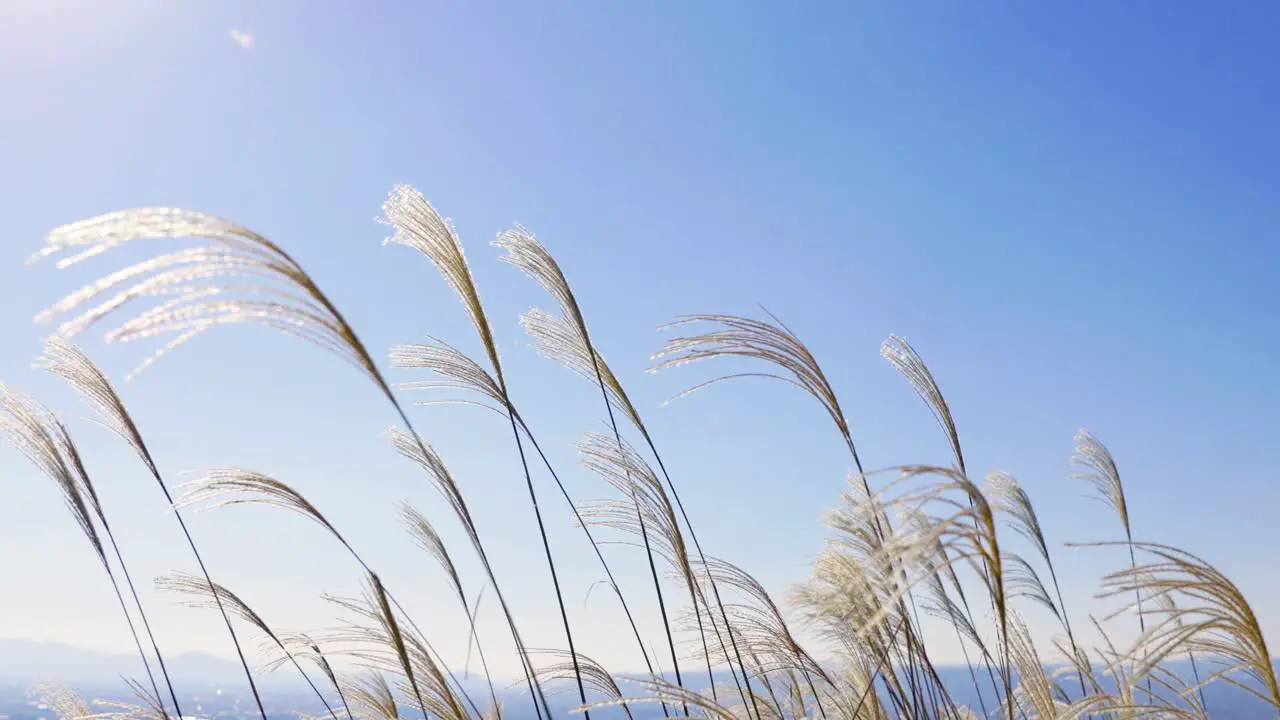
1070	209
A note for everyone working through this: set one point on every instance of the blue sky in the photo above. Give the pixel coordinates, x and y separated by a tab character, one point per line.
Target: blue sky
1070	211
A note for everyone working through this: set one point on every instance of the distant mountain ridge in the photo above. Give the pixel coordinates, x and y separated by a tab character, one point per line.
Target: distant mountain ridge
24	663
35	661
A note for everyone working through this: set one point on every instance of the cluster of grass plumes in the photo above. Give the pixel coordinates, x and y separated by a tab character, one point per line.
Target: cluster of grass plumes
905	544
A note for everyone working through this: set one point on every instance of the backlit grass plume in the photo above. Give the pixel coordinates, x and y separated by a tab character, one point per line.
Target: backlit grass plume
904	358
234	276
732	336
1212	618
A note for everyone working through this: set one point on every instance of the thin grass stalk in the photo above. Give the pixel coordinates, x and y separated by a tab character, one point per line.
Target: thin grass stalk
294	661
278	494
420	227
609	572
908	362
418	631
1066	622
473	611
1016	503
662	610
973	675
133	631
72	365
253	686
1195	671
535	688
194	587
703	559
96	504
987	660
880	670
146	625
644	532
644	535
546	546
484	662
318	657
530	256
1104	474
456	371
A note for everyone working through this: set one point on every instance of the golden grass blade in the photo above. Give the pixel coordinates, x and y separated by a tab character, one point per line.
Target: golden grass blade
299	646
425	457
531	257
201	593
764	628
418	226
379	641
1011	499
624	469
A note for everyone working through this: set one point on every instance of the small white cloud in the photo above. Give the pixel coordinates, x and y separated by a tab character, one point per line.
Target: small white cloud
243	39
